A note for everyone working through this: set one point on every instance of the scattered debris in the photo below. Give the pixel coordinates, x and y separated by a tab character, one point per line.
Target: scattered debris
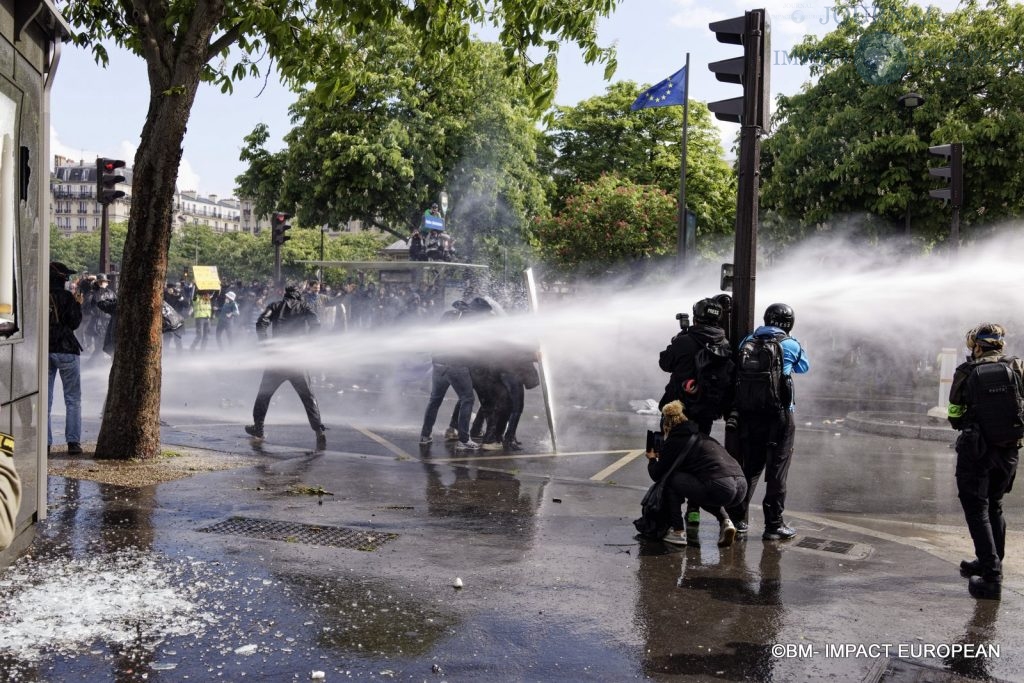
556	500
246	650
317	675
647	406
457	583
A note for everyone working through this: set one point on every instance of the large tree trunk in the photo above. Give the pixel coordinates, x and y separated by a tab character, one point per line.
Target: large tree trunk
131	415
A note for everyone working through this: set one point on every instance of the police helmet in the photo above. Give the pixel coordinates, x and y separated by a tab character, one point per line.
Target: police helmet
781	316
707	312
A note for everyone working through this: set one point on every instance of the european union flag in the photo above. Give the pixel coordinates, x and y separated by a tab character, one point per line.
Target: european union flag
668	93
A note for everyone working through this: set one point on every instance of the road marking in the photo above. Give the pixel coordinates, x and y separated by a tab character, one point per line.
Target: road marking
617	465
382	441
522	456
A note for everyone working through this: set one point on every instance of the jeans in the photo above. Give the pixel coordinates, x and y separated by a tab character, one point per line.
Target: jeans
69	366
456	377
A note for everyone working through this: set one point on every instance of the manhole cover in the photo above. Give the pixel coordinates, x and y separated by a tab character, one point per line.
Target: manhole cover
309	534
831	547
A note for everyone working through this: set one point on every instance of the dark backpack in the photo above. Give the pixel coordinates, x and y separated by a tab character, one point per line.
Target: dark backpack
714	372
995	400
759	377
172	319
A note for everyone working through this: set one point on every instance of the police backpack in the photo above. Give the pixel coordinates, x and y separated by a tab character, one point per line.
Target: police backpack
995	401
759	378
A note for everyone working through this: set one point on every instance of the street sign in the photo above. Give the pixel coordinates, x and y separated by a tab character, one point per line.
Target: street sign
433	222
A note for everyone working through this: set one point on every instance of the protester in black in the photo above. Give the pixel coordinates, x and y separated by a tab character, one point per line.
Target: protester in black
708	476
289	317
985	404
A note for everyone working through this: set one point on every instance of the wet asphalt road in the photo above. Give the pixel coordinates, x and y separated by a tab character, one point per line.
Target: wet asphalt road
556	586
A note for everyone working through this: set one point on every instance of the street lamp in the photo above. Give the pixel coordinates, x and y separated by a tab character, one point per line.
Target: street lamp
909	101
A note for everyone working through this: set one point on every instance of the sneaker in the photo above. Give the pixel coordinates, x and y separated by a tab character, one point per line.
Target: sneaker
321	440
779	533
74	448
493	446
451	434
969	568
424	440
513	445
985	589
727	534
476	435
742	528
254	430
468	446
674	537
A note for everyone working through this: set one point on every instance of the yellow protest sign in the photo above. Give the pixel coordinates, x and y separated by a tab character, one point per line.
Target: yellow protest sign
206	278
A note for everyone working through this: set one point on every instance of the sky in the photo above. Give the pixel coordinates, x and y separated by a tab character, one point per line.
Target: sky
100	112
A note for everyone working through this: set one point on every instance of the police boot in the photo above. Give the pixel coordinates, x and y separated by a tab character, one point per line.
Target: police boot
985	588
255	430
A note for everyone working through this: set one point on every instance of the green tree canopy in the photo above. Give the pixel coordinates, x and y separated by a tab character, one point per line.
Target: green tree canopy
416	124
601	136
607	225
845	145
184	42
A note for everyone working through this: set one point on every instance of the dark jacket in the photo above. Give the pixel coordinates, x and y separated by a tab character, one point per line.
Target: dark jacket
106	301
959	411
65	317
678	358
707	461
289	317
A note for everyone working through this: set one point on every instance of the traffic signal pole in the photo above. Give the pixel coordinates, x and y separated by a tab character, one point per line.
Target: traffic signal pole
751	111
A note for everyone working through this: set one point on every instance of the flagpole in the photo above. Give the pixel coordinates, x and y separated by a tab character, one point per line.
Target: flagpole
681	256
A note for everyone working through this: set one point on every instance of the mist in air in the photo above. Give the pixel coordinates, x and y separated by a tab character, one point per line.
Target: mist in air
869	317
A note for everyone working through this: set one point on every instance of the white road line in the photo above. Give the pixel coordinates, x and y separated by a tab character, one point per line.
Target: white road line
382	441
523	456
616	466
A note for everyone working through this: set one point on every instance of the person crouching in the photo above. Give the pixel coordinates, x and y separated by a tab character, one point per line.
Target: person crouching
708	476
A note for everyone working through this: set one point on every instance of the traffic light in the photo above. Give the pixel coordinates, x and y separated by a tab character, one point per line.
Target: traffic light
727	277
954	173
753	32
279	229
107	180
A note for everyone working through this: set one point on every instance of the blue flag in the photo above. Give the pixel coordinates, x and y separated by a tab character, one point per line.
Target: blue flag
668	93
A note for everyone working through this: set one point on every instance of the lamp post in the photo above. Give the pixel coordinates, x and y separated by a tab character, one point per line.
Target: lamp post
909	102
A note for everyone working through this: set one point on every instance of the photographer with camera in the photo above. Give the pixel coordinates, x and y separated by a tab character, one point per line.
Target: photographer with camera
706	476
699	359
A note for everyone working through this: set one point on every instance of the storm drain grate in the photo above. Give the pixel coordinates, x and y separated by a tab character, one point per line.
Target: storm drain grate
825	544
309	534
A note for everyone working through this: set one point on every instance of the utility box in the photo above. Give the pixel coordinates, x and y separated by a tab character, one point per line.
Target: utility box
31	35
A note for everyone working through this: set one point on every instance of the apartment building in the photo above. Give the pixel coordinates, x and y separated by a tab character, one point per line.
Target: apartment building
73	205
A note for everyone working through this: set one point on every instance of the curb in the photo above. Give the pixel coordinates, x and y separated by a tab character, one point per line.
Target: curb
901	425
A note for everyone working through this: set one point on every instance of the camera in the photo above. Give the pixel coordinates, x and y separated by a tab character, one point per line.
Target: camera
684	321
654	441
